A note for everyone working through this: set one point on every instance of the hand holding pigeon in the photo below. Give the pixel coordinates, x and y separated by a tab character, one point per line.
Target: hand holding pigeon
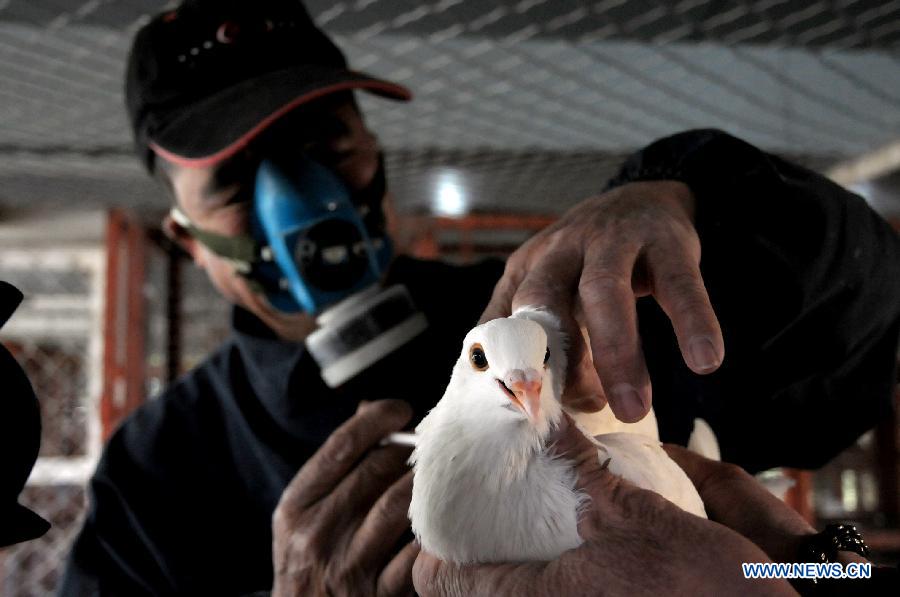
486	487
590	266
635	542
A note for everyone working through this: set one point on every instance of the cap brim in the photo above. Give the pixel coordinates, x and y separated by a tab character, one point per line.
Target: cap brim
215	128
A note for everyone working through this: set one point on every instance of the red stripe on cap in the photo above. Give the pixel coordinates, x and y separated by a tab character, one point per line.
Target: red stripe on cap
246	138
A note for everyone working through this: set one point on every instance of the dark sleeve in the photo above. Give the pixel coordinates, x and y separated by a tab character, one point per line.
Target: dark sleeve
182	499
114	553
805	280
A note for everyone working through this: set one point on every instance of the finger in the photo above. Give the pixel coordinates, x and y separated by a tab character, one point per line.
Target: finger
331	463
396	578
584	392
569	442
431	576
678	288
737	500
551	283
384	524
552	278
500	304
517	266
608	304
354	497
698	468
613	501
722	485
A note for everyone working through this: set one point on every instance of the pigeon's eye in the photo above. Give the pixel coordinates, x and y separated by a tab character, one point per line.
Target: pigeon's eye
477	358
547	355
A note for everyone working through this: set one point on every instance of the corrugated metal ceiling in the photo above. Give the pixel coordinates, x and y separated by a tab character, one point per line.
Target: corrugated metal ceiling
529	104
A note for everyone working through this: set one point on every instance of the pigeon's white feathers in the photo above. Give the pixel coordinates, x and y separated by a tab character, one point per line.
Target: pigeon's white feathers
466	507
485	487
643	461
557	341
703	441
596	423
604	421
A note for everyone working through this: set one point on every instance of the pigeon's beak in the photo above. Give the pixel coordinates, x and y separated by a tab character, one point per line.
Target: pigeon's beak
524	388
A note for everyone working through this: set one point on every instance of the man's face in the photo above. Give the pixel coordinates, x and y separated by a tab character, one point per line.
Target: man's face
219	198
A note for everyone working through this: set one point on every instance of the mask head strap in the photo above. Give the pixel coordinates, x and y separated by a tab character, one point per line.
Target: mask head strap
242	251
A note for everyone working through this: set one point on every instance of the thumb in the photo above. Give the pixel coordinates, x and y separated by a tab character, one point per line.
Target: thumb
609	497
569	442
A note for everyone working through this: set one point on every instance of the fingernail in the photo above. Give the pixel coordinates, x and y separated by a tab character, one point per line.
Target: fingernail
629	406
703	353
363	405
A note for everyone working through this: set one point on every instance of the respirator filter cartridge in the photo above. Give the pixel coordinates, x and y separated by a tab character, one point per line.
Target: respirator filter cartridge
363	329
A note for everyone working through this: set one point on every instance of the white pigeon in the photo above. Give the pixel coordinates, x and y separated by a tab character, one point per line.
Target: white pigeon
485	487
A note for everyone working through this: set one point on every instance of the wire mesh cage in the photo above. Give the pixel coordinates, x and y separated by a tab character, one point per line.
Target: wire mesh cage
554	78
35	568
55	337
58	370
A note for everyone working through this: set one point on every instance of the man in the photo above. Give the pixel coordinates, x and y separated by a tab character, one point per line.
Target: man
251	474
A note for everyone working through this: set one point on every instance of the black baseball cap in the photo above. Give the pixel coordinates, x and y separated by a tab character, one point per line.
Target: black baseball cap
205	79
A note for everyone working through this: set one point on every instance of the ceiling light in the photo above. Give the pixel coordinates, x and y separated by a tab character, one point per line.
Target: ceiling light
449	197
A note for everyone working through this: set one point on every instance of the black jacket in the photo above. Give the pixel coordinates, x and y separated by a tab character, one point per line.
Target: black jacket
805	280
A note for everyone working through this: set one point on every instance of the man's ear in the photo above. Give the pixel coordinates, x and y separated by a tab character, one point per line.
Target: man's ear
179	235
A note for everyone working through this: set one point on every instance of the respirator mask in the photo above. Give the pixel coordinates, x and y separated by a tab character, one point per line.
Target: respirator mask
314	247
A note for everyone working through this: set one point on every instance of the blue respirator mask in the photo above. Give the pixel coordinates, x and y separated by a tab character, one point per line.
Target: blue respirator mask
315	248
319	248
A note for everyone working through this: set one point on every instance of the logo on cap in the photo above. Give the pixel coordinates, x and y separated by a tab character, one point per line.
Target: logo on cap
229	31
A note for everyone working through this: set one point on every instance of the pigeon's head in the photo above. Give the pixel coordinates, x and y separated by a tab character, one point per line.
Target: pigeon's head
504	374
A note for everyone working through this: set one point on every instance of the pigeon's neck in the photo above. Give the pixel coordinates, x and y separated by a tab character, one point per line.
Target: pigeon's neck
505	454
498	450
490	492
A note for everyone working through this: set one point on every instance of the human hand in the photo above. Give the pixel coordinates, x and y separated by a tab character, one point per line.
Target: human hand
591	265
635	543
337	523
734	498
